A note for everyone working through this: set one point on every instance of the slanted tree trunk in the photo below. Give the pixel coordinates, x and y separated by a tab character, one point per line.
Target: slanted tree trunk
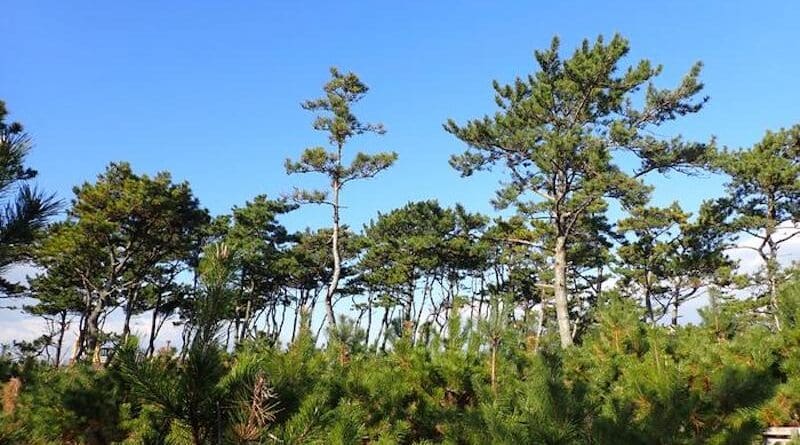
77	346
493	370
151	346
769	253
369	321
129	308
648	301
385	329
248	308
676	303
337	261
92	327
418	318
539	326
63	325
297	310
283	320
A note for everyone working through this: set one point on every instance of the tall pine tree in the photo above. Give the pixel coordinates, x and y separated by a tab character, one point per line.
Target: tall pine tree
337	119
556	132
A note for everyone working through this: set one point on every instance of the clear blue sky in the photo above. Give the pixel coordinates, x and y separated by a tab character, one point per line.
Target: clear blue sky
210	90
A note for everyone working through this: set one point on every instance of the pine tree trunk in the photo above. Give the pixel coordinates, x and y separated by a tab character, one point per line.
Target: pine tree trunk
60	343
296	320
384	329
539	326
676	303
337	261
494	367
772	261
96	362
151	346
246	320
648	304
77	347
560	291
369	321
93	325
283	320
126	327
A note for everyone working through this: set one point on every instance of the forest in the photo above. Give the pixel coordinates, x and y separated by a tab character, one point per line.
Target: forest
567	317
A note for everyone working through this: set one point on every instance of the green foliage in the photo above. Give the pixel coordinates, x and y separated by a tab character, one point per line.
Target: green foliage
25	210
764	180
75	405
627	382
763	202
124	232
558	133
342	91
668	260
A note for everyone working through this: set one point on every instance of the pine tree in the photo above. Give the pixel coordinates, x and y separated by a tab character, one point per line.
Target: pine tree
764	198
190	394
120	232
259	242
556	132
25	210
337	119
670	259
57	302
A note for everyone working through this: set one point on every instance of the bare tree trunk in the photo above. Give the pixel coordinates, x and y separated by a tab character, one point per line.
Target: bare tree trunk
283	320
770	258
539	326
369	320
151	346
77	347
676	303
337	261
418	318
560	288
296	320
648	304
129	308
92	335
96	362
494	366
385	329
246	320
60	343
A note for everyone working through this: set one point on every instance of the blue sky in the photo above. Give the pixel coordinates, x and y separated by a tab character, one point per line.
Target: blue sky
211	90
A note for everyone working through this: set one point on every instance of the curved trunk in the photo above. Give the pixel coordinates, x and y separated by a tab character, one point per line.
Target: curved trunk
771	259
151	346
337	261
60	342
92	328
676	303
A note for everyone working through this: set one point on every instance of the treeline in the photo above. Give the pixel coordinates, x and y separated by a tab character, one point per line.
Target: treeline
554	324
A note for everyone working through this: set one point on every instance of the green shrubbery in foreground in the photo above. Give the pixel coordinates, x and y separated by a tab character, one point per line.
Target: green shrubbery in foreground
720	382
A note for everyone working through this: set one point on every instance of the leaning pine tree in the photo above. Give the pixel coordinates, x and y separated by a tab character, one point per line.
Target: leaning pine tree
556	133
337	119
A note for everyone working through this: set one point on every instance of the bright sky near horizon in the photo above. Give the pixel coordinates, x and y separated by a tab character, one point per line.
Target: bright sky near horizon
210	90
